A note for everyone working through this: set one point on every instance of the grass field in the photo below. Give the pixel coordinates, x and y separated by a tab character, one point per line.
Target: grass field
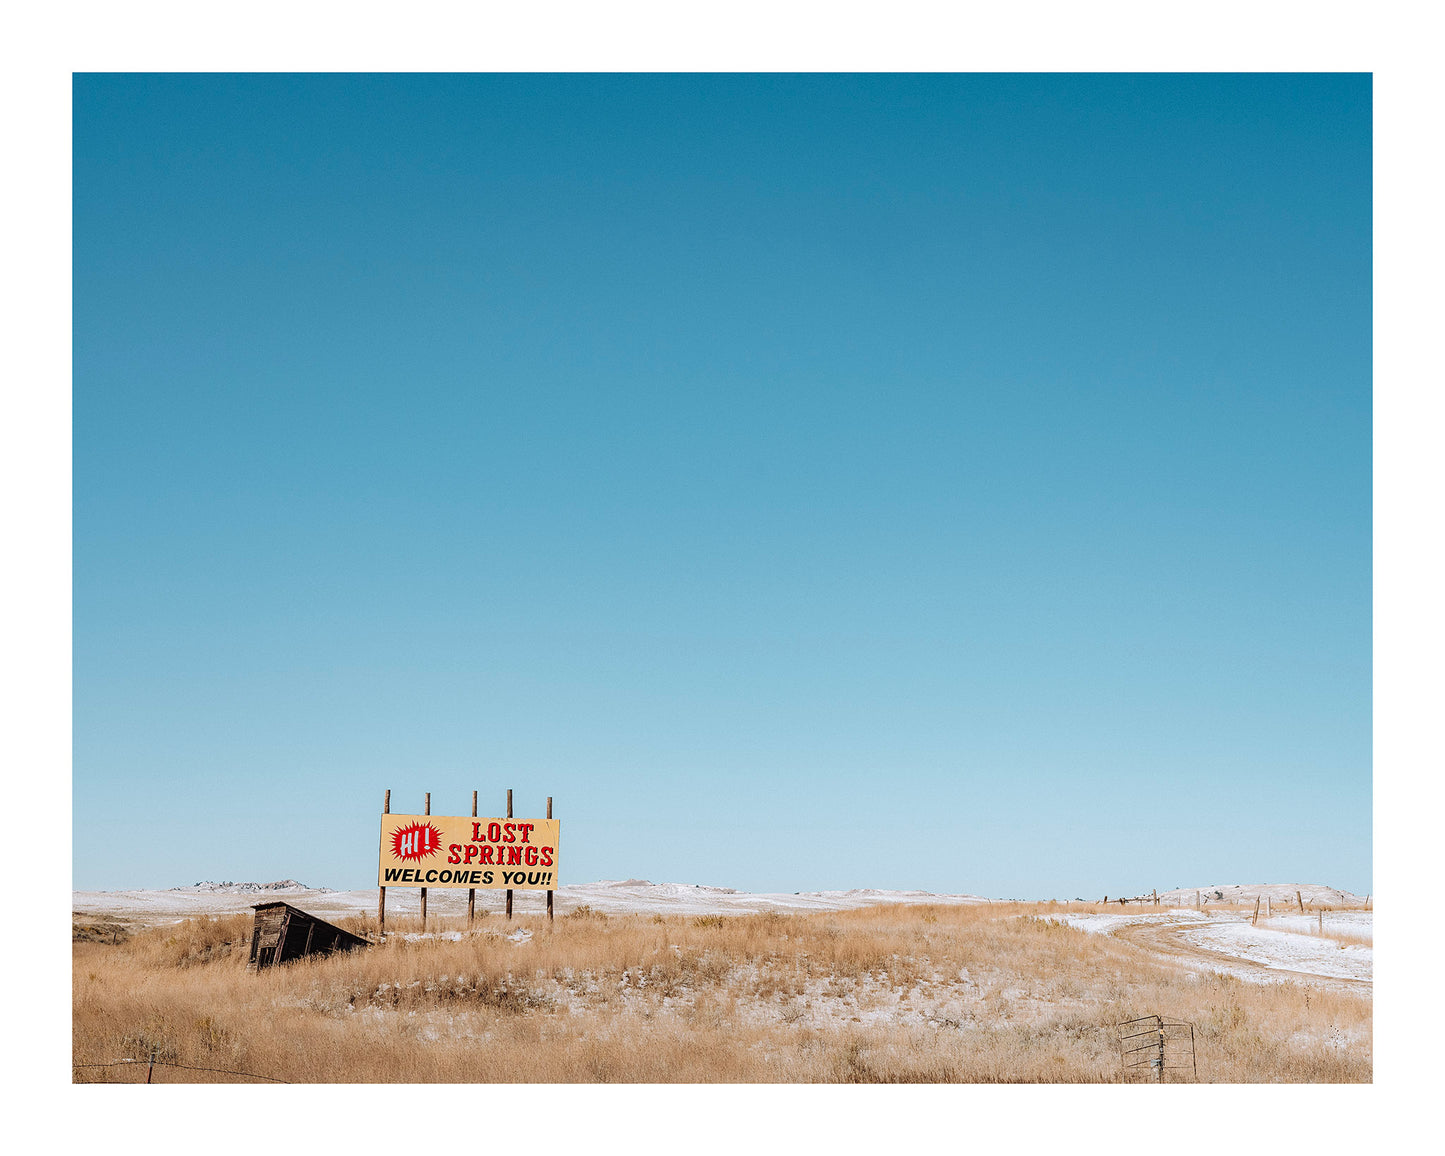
880	994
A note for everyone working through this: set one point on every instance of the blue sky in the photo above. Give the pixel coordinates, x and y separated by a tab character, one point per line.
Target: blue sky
956	482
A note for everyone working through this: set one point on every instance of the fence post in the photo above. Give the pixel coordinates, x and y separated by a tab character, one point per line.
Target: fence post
151	1068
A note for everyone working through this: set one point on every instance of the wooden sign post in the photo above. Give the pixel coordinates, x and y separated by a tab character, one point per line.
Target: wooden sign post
509	890
381	903
423	890
549	893
472	894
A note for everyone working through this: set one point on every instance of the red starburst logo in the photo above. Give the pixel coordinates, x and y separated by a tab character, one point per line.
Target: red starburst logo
416	841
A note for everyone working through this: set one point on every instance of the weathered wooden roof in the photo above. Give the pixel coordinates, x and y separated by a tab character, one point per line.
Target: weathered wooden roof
313	918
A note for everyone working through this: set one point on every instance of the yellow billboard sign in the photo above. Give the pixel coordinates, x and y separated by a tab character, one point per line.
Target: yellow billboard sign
463	851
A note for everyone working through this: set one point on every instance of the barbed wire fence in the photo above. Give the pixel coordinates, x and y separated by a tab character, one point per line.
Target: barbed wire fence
152	1063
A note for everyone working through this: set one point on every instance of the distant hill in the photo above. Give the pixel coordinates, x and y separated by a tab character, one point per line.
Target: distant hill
229	888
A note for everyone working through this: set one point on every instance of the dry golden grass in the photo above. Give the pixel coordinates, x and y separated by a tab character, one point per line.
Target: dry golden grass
883	994
1333	935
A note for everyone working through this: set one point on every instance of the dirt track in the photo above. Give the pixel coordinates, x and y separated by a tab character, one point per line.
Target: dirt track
1163	939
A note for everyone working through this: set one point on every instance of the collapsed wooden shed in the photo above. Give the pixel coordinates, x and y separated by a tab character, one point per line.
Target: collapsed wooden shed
283	932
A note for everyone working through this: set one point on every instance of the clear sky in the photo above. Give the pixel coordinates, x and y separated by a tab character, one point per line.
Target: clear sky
954	482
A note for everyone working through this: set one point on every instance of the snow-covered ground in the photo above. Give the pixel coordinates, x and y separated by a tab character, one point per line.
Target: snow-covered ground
1290	946
177	903
608	896
1284	950
1101	924
687	899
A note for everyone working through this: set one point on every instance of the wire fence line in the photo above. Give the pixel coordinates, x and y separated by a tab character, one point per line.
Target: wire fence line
152	1063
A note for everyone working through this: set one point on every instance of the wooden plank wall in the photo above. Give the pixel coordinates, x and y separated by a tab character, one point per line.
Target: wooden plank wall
284	933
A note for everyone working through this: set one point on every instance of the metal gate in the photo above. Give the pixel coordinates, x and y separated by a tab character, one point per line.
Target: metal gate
1150	1046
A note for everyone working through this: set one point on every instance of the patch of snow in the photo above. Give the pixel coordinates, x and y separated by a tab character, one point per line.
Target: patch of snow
1284	950
1238	937
1099	923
